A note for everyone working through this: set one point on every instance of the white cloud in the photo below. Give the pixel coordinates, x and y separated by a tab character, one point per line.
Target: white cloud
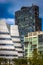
9	21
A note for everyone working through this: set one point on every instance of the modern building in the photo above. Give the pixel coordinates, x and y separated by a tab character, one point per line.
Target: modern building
10	46
14	32
27	20
7	49
34	40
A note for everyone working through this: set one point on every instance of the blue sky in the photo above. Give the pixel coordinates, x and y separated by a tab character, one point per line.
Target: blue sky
8	7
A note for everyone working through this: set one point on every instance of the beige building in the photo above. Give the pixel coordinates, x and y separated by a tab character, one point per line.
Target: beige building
34	40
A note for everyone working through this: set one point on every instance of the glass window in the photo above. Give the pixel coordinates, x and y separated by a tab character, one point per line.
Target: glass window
4	33
40	38
6	44
34	46
26	45
25	50
5	38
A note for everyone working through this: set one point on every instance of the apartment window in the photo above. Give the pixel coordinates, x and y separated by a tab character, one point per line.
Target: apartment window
18	47
20	51
25	50
5	39
7	49
34	46
26	18
6	44
40	38
15	36
26	45
7	55
4	33
16	42
41	47
25	54
40	43
30	11
31	17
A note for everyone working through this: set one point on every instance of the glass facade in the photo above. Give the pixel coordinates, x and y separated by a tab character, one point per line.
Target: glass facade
40	38
27	20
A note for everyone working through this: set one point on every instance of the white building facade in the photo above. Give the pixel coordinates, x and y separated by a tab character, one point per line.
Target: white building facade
8	43
14	32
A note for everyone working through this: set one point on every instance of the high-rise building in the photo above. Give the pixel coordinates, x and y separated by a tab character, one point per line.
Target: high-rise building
10	45
28	19
34	40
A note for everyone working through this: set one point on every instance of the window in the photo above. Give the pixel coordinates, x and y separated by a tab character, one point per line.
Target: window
7	55
7	49
26	18
34	46
4	33
40	38
26	45
6	44
15	36
20	51
16	42
18	47
25	50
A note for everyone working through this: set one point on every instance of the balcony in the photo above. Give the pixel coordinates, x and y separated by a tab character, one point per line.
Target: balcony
26	39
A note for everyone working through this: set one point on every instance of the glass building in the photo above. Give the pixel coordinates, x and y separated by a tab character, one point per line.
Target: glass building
28	19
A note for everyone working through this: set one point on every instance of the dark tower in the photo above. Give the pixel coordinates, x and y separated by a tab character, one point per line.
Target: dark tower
28	20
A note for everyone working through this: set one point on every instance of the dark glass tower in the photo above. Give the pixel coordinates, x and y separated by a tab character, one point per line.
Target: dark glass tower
28	19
